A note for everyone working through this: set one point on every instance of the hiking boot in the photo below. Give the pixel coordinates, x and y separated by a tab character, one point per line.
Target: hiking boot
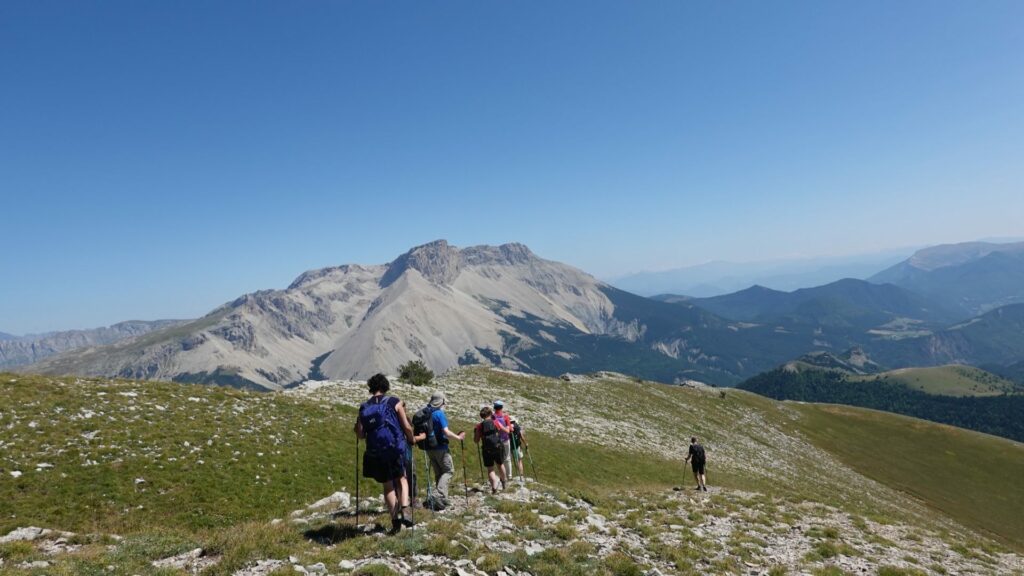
697	488
406	517
396	526
705	488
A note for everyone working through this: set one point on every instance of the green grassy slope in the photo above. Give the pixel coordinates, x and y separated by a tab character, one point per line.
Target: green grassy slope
208	456
217	464
973	477
230	455
952	380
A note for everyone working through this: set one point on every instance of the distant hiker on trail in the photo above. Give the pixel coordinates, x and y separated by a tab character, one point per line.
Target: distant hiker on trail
385	426
518	445
696	452
432	422
504	424
488	436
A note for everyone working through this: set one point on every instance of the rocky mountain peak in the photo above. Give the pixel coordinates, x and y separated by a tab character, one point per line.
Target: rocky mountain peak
507	254
438	262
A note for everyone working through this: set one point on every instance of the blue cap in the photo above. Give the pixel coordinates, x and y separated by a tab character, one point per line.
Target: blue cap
498	404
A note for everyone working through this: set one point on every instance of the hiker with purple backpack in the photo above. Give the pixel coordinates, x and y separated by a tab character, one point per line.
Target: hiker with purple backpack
385	426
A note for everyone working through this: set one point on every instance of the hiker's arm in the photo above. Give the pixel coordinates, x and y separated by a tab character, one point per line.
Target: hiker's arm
358	429
502	427
476	435
406	426
453	435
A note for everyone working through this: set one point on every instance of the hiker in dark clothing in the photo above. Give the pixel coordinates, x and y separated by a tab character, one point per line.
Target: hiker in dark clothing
383	423
696	453
440	457
487	434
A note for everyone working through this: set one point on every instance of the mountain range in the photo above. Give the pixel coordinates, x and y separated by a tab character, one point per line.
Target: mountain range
845	303
497	305
22	350
505	306
717	278
970	278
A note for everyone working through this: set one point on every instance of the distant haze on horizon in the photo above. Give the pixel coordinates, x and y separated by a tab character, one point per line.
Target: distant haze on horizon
157	160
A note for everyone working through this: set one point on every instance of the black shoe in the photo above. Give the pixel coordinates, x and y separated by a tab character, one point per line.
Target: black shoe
396	526
705	488
406	517
697	488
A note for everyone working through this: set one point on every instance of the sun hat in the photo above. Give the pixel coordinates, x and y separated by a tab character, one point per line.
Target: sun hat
437	399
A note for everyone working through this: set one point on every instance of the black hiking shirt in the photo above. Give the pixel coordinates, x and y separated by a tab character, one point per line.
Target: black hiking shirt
696	453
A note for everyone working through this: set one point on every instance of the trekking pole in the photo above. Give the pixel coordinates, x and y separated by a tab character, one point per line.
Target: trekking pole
426	467
465	482
357	483
530	456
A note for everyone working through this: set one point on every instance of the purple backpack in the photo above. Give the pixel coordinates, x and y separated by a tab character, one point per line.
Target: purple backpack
384	435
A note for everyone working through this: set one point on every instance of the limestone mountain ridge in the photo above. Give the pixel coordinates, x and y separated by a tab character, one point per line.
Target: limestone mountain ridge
448	306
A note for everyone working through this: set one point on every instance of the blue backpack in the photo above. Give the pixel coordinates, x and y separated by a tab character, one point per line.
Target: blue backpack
384	435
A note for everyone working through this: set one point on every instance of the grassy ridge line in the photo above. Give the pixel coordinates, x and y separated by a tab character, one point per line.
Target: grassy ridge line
973	477
952	380
998	415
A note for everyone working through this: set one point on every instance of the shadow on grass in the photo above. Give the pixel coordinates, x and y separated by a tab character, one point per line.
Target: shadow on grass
334	533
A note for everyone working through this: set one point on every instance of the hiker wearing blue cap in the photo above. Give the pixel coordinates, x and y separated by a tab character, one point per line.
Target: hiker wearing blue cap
504	425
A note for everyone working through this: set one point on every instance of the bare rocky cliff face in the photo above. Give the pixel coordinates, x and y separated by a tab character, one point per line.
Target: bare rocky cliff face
444	305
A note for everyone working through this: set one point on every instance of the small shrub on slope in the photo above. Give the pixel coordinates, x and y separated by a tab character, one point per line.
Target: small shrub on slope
415	372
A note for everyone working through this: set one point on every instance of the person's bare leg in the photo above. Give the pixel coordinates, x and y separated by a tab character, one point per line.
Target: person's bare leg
390	498
403	488
492	477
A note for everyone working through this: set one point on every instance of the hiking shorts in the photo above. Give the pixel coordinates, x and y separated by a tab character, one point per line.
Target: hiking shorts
698	467
383	468
494	457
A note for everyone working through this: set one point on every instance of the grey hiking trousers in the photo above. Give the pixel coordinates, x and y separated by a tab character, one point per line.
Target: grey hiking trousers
508	458
444	468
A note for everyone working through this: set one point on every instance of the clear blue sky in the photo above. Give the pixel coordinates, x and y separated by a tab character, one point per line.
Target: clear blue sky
160	158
